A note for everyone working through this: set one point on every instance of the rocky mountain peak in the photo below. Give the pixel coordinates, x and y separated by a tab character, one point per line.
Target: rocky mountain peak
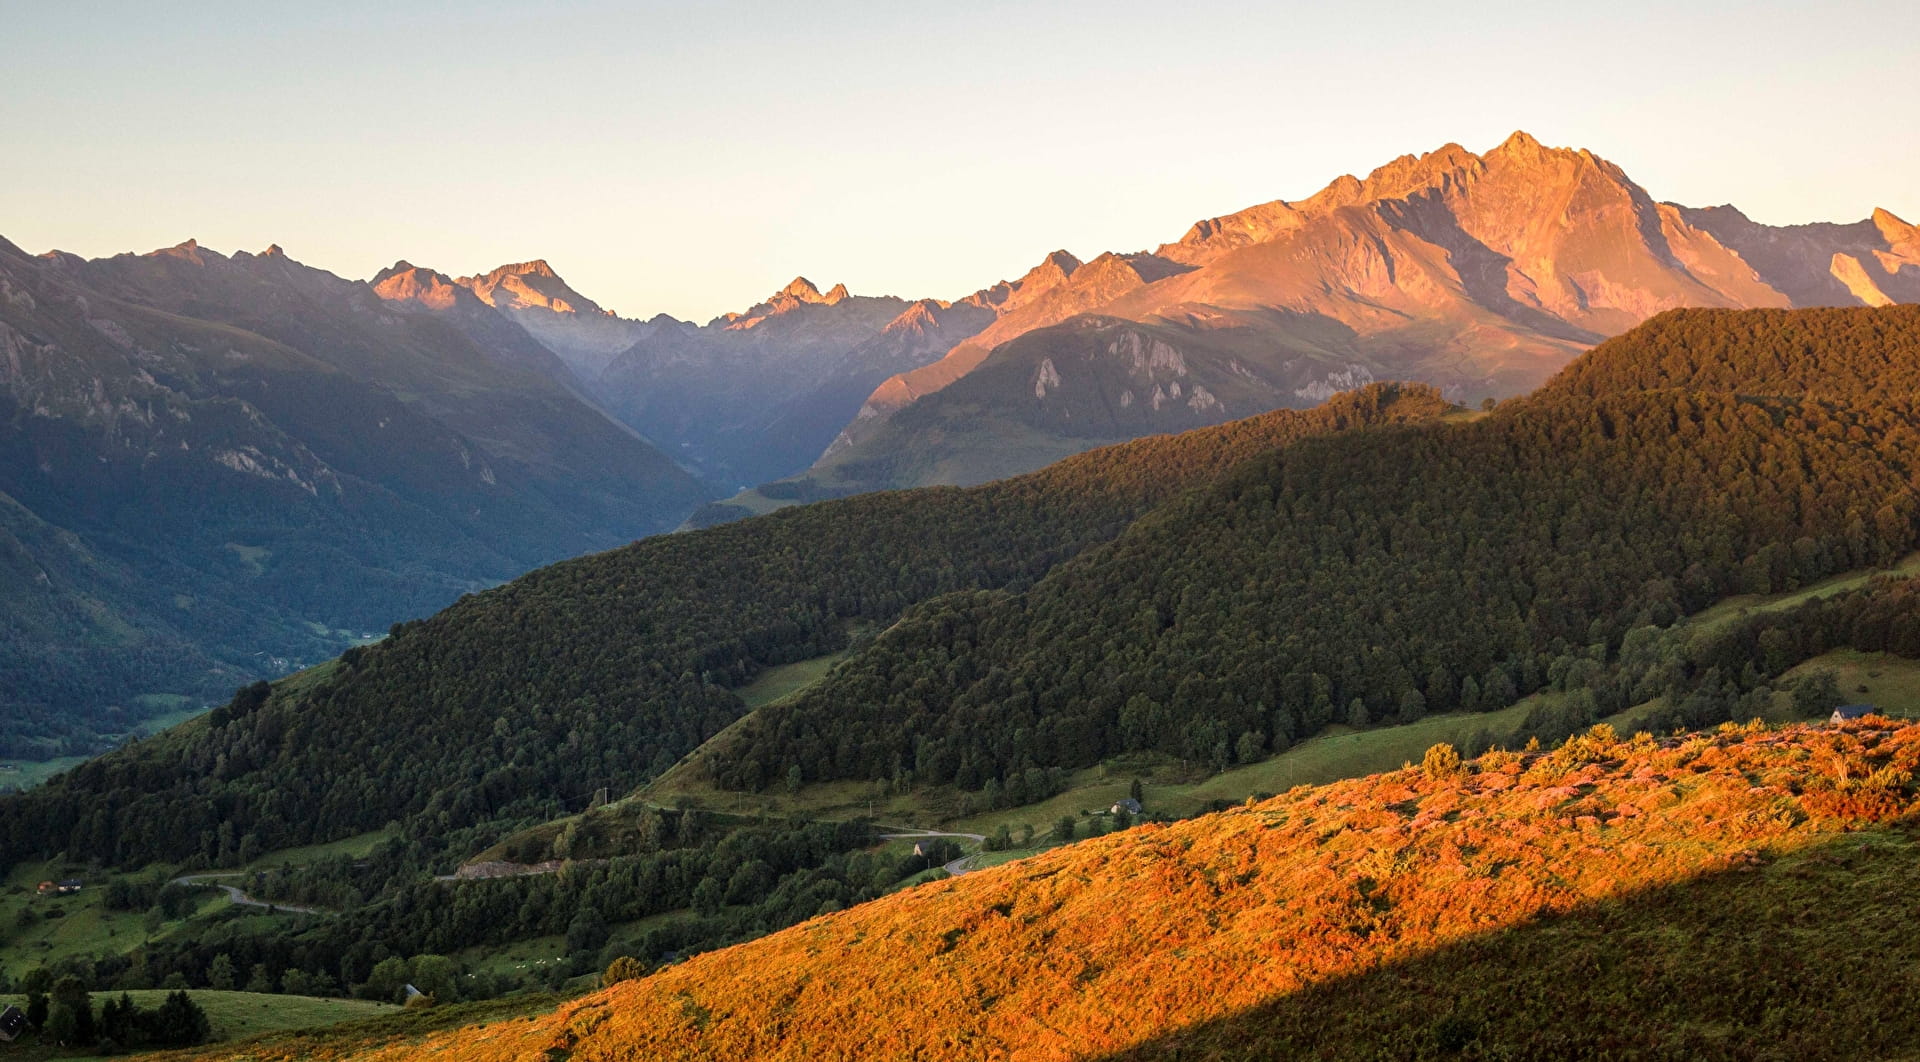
398	268
918	316
800	292
1521	143
405	282
801	289
536	268
1892	228
531	285
189	251
1063	261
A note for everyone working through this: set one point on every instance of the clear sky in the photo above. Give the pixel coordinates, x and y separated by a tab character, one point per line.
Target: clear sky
689	158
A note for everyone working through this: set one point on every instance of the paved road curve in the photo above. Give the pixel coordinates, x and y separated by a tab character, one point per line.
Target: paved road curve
955	868
234	894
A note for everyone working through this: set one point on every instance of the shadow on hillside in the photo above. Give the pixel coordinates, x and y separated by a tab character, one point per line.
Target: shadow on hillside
1810	957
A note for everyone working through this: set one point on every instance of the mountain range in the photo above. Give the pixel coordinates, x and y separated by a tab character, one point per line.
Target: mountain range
1212	597
213	469
444	433
1480	274
1675	533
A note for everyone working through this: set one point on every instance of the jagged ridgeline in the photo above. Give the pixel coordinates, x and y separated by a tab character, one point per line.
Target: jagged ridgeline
1385	575
603	671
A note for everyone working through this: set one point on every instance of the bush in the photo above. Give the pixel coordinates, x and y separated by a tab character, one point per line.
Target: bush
1442	761
624	968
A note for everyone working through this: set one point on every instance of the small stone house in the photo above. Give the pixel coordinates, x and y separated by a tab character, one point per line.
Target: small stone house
1852	711
1128	805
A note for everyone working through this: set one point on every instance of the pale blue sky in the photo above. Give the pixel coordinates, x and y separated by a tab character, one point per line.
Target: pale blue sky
688	160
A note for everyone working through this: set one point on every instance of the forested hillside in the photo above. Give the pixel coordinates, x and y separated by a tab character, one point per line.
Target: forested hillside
1363	577
604	670
1382	576
1839	353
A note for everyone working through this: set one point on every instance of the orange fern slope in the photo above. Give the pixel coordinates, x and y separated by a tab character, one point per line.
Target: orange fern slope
1107	943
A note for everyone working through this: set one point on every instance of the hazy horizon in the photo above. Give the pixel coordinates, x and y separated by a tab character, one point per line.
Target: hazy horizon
692	161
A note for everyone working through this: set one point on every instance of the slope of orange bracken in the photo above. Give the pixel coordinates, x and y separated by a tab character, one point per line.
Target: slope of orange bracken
1115	941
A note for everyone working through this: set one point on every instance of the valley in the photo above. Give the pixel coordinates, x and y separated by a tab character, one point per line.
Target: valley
1170	789
591	429
1470	611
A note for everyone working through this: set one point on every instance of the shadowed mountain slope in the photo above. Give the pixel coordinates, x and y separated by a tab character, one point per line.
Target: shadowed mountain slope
725	395
604	670
220	467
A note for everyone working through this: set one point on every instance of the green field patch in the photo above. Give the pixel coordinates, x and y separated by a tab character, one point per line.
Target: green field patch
183	710
36	929
1733	608
28	773
1338	752
356	1033
1889	683
237	1015
304	680
252	558
532	959
357	846
778	683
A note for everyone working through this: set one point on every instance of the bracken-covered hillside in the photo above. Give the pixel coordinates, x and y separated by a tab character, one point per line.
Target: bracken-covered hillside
1739	894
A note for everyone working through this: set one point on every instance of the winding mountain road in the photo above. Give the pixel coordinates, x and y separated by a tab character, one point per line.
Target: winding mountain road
235	895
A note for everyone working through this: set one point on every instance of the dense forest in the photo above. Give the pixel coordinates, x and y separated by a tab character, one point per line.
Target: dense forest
729	879
1381	576
1844	353
517	703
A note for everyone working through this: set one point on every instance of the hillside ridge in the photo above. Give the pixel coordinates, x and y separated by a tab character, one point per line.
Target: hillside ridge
1134	939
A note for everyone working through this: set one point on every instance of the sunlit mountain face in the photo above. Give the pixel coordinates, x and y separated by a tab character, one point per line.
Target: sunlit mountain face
1480	274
